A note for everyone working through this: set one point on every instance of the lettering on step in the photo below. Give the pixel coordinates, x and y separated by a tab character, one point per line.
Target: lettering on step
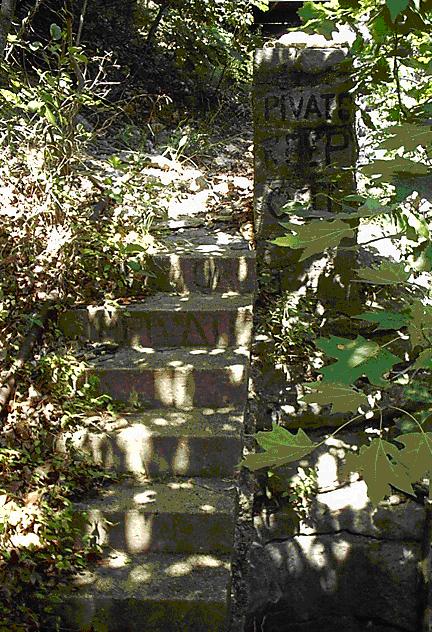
277	192
303	106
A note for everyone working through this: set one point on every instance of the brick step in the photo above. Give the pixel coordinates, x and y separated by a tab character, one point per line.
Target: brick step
167	320
202	442
152	592
177	378
175	516
199	261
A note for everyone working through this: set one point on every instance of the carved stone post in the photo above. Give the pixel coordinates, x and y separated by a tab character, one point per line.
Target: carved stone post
304	134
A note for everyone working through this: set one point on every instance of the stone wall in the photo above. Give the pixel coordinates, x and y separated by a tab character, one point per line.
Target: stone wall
343	565
336	563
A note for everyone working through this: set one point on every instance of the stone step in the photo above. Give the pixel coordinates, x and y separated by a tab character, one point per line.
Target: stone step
152	592
175	516
203	442
177	378
196	260
164	320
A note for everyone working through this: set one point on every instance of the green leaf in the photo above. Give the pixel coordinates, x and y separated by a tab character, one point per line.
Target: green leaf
388	273
49	115
55	32
378	470
417	453
311	11
342	398
281	447
131	248
424	361
395	7
315	236
355	358
385	319
420	324
408	136
134	265
388	169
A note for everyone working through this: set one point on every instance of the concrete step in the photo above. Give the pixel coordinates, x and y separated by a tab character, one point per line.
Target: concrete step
203	442
196	260
153	592
177	378
164	320
176	516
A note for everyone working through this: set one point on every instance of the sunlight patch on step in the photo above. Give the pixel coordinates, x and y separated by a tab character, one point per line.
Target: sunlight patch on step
243	327
140	574
131	443
118	559
194	561
143	498
182	485
236	373
138	531
242	269
181	458
173	388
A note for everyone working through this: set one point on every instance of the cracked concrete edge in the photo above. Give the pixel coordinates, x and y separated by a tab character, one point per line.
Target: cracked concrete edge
244	536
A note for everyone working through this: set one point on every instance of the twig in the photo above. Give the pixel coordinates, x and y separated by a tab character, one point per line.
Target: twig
81	23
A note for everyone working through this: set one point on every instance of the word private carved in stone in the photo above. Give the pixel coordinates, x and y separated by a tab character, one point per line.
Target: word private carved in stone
303	105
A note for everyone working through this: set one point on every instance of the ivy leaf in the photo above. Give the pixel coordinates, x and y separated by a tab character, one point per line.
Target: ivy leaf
342	398
395	7
416	455
424	361
355	358
281	447
378	465
314	237
385	319
408	136
55	32
420	324
388	273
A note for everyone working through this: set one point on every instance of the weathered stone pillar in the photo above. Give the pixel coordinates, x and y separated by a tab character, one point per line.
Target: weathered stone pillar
304	128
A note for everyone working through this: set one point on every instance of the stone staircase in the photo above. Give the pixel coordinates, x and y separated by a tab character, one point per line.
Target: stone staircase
168	525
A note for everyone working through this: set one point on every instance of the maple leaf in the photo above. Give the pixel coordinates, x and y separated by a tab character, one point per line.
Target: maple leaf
342	398
407	135
416	455
355	358
388	169
281	447
420	324
378	465
387	273
395	7
314	237
385	319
